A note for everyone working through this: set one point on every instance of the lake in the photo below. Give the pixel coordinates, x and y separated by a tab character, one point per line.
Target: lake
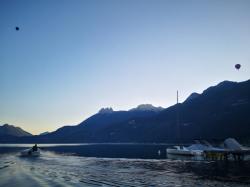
129	165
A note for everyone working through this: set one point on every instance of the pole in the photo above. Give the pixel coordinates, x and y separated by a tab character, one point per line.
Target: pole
177	119
177	97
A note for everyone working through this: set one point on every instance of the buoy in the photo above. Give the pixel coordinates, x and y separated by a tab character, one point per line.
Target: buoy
159	152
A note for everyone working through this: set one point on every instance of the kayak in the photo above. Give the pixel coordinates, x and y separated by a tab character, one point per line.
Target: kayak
30	152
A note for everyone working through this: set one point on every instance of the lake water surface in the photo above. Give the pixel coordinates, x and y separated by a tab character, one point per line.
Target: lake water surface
114	165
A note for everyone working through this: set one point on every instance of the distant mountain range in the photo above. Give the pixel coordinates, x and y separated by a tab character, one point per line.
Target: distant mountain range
10	132
44	133
219	112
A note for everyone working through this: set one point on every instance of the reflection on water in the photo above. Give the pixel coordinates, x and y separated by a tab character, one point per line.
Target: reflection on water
53	169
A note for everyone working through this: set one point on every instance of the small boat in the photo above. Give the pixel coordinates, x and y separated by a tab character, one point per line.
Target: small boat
30	152
185	151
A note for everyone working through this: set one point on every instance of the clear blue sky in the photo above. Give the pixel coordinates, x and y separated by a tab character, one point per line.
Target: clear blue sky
72	57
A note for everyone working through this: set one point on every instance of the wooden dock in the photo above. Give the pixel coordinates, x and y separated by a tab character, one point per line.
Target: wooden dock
236	155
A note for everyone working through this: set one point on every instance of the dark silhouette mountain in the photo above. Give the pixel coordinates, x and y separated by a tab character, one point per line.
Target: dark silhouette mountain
192	96
221	111
88	130
10	130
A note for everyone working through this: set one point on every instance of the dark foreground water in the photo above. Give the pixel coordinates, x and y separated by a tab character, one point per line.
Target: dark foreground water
141	165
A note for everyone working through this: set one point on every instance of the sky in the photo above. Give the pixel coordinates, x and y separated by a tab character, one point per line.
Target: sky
72	57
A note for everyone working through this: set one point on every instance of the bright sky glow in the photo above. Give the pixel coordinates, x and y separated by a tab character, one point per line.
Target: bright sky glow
71	58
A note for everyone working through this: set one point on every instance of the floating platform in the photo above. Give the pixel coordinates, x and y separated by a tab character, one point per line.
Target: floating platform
236	155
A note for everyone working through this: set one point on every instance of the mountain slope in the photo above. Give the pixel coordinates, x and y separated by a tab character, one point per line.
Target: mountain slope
221	111
10	130
89	130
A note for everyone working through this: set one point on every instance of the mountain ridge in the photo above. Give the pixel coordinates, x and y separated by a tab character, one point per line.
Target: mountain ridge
219	112
10	130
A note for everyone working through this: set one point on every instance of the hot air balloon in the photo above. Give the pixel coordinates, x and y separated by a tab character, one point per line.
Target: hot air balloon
17	28
237	66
